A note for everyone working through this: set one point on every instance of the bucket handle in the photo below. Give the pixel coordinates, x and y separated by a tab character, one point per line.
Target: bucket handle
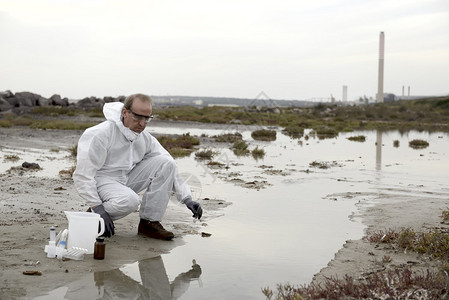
101	227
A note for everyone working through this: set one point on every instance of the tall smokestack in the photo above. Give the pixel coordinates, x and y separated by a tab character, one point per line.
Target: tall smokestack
380	85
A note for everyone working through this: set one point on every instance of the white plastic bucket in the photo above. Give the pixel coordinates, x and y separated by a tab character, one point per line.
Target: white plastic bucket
83	229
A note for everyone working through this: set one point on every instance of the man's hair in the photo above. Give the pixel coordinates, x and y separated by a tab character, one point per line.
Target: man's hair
130	100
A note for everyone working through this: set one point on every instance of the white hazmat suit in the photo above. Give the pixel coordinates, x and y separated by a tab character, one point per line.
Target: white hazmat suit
114	164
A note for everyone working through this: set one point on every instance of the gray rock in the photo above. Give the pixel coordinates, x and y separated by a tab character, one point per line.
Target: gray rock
108	99
27	99
33	166
4	105
57	100
90	102
6	94
121	99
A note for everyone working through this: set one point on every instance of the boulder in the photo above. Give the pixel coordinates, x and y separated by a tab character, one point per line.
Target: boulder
120	99
33	166
27	99
57	100
108	99
90	102
6	94
4	105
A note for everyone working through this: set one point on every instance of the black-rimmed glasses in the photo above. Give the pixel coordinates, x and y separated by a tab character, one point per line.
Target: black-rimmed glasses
138	118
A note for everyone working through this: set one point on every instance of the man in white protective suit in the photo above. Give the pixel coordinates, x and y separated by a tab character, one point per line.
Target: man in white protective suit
117	159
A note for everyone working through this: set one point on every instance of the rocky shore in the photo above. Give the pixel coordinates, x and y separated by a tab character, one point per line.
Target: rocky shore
22	101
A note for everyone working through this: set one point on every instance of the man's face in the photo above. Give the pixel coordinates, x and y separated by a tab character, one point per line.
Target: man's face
134	118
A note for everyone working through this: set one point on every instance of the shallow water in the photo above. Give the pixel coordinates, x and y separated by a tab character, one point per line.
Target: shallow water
50	161
289	229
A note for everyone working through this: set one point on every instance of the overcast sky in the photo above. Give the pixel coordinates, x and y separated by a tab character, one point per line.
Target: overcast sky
288	49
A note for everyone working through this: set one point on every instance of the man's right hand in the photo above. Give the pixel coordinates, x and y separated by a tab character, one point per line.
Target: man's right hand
108	224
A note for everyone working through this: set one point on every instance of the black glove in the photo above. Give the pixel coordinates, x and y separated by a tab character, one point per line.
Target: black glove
195	207
108	224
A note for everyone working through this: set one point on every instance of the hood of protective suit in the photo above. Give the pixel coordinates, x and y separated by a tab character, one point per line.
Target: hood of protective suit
113	112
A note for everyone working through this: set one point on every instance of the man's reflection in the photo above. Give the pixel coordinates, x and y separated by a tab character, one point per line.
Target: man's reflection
155	280
153	284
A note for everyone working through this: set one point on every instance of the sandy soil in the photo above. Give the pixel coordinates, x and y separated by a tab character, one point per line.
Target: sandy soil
30	205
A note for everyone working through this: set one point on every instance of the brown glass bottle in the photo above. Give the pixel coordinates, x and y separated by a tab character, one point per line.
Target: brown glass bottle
99	248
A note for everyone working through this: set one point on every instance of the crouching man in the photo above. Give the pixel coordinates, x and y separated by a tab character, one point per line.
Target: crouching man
117	159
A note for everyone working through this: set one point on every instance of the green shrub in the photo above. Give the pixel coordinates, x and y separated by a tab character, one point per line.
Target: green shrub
5	123
55	111
396	143
228	137
406	238
324	132
258	153
434	243
177	152
359	138
96	112
264	135
240	148
185	141
205	154
23	121
418	144
74	151
294	131
388	284
445	215
12	157
215	164
67	173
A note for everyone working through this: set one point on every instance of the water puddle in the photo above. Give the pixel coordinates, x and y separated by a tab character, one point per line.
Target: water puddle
49	161
285	230
145	279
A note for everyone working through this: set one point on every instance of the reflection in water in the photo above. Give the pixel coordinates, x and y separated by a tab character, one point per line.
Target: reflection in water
150	281
378	150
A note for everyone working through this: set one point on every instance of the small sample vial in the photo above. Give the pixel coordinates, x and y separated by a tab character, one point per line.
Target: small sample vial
60	250
99	248
52	234
51	249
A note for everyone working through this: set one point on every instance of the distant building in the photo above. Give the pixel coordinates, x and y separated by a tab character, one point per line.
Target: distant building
387	97
222	104
345	93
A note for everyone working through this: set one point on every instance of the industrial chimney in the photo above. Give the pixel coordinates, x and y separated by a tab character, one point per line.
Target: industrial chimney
380	85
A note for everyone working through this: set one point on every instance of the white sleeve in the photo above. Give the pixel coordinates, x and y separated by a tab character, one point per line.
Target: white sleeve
153	147
92	152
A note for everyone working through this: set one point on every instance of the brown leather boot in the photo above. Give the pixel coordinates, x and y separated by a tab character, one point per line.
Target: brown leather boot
154	230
